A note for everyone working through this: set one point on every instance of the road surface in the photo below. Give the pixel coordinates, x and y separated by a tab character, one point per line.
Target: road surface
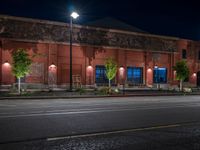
165	122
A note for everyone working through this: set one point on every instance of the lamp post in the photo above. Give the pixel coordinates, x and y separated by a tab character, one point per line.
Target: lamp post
73	15
121	75
156	72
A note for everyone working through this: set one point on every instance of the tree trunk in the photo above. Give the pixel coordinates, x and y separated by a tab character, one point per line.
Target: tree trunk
109	87
181	85
19	86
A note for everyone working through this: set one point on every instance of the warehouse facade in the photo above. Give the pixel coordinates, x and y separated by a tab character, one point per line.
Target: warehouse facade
143	59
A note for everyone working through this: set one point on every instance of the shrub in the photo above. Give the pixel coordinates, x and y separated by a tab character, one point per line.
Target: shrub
103	91
80	90
107	91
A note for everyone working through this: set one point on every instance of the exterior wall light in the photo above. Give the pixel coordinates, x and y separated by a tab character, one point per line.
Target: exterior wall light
194	74
89	74
89	67
52	66
89	70
149	69
121	71
6	63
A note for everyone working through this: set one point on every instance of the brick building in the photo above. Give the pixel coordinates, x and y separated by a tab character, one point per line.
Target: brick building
142	58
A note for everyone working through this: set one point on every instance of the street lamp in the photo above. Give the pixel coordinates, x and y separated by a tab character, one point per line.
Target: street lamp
121	74
156	75
73	15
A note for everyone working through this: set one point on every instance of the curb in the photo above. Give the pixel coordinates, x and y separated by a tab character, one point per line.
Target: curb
95	96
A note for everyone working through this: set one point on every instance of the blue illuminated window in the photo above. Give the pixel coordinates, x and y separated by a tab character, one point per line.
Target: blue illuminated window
134	75
101	74
160	75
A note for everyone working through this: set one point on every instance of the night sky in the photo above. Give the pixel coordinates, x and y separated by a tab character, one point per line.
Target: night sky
175	18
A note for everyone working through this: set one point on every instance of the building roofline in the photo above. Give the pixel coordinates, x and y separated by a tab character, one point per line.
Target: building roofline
87	27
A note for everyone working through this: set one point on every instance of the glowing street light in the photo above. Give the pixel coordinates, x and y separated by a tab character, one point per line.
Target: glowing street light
74	15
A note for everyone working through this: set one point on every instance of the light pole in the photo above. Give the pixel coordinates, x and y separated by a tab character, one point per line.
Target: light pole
156	74
73	15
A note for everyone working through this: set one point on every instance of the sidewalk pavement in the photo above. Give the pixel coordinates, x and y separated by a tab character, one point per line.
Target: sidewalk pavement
68	95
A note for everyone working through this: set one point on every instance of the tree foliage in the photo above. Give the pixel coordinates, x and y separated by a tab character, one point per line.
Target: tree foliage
21	63
111	69
182	70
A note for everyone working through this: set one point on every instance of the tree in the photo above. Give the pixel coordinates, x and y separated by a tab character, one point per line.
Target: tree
21	65
182	72
111	69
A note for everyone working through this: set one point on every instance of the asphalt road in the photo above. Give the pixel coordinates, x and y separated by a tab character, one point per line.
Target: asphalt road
171	122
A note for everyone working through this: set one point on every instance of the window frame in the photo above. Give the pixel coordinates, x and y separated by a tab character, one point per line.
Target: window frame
184	54
102	79
157	75
132	79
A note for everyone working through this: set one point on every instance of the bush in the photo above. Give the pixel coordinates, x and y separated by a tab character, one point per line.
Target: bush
80	90
107	91
187	90
116	90
103	91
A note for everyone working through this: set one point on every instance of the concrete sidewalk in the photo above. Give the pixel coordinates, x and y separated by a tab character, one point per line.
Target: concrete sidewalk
67	95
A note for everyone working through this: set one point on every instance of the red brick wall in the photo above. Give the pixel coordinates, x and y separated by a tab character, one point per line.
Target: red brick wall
78	63
192	56
85	58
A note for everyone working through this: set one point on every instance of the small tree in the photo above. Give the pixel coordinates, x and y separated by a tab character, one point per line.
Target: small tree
182	72
21	65
111	69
